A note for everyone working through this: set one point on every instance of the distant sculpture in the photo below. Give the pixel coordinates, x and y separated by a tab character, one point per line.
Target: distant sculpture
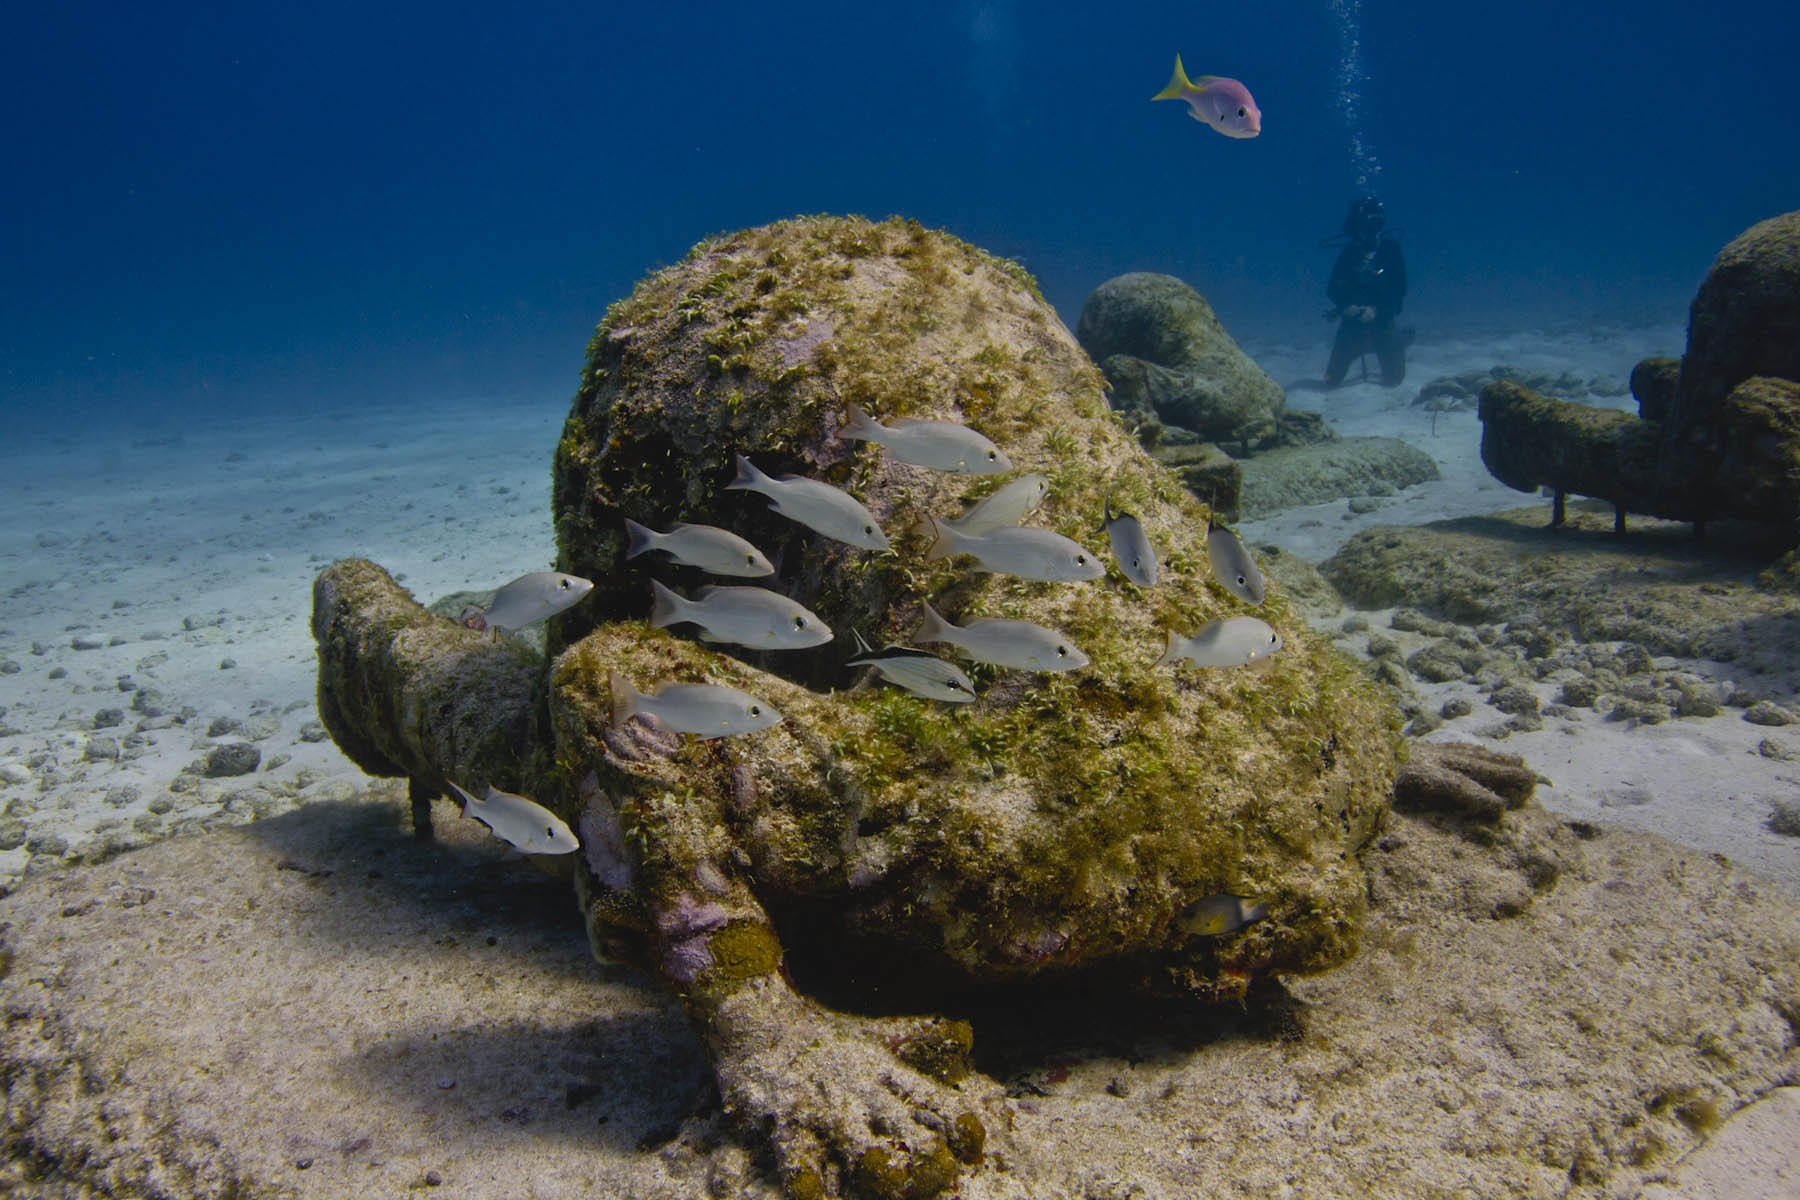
1717	433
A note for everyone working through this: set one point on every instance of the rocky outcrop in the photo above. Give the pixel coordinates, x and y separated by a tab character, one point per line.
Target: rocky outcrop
1169	360
1459	392
1289	476
1657	590
1530	441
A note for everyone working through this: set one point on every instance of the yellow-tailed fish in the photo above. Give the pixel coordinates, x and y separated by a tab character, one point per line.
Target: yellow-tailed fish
1219	914
1225	104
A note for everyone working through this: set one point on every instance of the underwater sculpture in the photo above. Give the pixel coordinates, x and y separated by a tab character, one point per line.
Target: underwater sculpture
1717	434
1106	820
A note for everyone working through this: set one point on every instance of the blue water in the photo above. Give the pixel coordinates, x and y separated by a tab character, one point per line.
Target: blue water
222	207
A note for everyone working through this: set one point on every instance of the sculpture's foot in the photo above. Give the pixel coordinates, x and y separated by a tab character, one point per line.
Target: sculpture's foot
852	1106
1462	780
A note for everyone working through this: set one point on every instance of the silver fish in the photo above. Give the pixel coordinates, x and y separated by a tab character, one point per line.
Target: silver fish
748	616
1227	642
918	671
1233	567
1027	553
1005	643
708	547
1131	547
818	506
1007	506
705	710
1213	915
526	824
940	445
528	600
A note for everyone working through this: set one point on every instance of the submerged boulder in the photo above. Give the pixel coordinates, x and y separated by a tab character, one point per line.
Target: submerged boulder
897	851
1290	476
1169	359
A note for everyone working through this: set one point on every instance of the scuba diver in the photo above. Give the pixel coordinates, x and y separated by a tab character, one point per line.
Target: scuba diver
1367	288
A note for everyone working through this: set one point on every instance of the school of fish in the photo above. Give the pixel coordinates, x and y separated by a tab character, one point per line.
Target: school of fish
759	618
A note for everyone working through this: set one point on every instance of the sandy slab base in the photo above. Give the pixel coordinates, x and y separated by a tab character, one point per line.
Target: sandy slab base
1756	1156
317	1006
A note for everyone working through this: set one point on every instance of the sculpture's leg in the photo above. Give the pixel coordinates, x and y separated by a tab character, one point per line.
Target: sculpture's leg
1559	511
1618	521
421	795
406	693
850	1105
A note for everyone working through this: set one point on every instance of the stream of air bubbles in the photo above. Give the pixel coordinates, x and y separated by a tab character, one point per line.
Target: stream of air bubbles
1347	14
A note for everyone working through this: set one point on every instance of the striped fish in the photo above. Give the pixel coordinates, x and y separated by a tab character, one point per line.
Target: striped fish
918	671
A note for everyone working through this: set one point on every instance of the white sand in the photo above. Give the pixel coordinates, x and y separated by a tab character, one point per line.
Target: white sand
177	557
1700	782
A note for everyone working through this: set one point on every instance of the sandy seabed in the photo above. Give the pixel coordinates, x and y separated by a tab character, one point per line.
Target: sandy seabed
158	584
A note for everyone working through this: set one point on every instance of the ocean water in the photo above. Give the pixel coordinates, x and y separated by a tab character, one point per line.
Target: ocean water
289	284
216	208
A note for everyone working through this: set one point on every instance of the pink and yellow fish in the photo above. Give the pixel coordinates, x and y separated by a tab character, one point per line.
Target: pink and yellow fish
1225	104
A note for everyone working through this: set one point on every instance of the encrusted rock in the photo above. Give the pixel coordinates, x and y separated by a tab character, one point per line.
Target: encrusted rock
1718	434
1289	476
1655	382
1463	780
1658	592
1766	712
1514	700
1163	351
1580	693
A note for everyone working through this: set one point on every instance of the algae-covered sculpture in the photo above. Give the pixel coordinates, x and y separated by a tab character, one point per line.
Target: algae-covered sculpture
1717	435
906	851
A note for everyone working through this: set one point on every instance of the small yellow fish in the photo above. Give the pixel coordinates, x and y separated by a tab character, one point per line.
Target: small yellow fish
1221	913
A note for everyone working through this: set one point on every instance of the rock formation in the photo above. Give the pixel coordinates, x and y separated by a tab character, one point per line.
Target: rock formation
1169	360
